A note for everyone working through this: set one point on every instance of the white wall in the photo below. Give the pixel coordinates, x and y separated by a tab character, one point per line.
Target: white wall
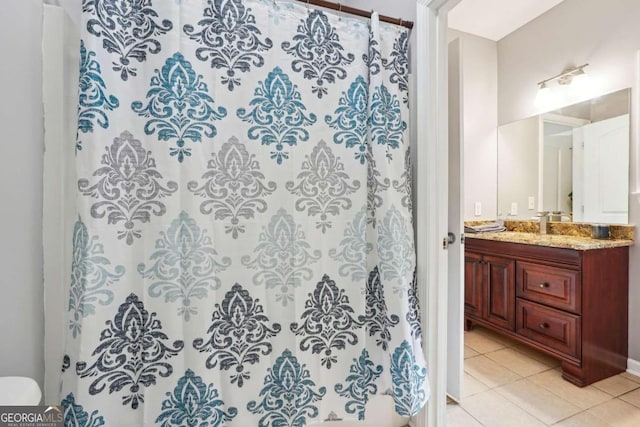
405	9
21	305
605	34
479	57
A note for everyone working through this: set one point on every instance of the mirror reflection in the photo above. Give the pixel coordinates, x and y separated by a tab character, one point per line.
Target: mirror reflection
573	162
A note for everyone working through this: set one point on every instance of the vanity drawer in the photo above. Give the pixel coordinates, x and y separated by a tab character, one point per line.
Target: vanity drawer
551	328
557	287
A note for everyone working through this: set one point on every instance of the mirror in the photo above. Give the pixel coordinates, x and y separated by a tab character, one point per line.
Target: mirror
573	162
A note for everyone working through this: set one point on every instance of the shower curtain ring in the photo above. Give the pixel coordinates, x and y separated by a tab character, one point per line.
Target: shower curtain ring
340	12
308	6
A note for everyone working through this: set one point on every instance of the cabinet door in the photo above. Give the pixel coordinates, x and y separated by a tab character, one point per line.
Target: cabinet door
499	307
473	284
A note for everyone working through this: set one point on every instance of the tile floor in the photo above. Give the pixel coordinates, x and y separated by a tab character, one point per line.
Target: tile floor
508	384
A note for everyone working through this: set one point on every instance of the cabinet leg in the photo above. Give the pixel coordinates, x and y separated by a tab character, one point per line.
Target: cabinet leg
574	374
583	377
468	325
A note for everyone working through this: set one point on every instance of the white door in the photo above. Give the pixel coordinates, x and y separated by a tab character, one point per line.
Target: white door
578	175
605	143
557	177
455	336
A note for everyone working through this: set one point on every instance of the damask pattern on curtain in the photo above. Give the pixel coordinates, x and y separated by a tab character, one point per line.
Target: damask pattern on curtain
243	247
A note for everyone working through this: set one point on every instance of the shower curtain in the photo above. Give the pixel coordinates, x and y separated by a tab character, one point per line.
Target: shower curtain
243	244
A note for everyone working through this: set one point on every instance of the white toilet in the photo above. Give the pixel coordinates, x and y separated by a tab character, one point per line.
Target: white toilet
19	391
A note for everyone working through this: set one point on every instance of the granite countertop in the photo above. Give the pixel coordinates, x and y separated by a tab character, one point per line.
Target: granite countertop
552	240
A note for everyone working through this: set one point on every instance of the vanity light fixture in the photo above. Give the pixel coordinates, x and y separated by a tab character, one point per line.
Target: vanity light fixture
574	77
565	77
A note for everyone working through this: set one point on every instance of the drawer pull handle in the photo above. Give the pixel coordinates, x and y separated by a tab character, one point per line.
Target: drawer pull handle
544	285
543	325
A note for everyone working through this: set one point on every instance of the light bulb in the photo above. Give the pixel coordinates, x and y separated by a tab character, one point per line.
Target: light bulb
581	86
544	96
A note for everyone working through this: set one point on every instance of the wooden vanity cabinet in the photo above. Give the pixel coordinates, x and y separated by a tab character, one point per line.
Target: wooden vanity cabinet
489	289
571	304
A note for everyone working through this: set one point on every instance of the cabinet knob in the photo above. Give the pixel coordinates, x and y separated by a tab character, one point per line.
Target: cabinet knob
543	325
544	285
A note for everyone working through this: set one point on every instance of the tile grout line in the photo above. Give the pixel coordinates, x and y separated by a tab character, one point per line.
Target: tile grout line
551	391
533	415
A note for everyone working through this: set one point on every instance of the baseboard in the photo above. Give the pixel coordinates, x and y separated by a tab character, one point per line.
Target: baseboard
633	367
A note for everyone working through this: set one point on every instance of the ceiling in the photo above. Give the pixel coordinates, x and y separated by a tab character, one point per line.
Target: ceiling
494	19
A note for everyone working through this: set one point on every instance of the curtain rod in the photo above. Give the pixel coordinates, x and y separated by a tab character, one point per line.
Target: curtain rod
358	12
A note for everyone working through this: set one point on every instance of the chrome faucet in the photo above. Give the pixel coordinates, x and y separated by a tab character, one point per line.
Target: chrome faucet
544	221
559	216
